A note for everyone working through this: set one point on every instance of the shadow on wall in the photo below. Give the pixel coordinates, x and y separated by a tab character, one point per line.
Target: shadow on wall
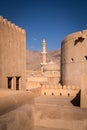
76	101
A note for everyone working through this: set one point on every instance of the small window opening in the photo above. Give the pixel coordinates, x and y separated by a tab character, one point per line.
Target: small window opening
80	39
85	57
52	94
60	94
17	83
68	94
44	93
72	59
9	82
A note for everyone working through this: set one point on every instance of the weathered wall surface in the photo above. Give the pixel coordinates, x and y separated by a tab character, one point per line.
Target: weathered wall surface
36	79
16	110
57	113
74	58
58	90
83	102
12	53
18	119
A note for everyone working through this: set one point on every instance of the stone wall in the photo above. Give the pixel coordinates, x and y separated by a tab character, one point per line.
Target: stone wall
35	79
74	58
12	54
52	89
30	73
58	90
83	102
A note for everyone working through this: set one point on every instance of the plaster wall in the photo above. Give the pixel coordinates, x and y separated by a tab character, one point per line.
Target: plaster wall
74	58
83	102
58	90
12	53
16	110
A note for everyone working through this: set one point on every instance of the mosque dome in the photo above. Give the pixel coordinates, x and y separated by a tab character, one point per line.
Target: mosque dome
51	66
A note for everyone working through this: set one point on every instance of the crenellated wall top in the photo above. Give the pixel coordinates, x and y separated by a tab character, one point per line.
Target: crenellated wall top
75	35
11	25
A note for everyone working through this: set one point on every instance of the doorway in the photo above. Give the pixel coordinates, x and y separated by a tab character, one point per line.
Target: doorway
17	83
9	82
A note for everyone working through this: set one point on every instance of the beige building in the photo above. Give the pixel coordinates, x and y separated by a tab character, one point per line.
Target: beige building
12	55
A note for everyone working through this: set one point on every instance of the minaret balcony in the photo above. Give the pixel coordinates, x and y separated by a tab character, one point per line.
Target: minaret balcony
42	64
43	52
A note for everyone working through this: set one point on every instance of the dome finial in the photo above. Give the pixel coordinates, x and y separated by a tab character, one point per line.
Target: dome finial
44	40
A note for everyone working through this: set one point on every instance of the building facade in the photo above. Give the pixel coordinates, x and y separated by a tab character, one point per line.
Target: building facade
12	55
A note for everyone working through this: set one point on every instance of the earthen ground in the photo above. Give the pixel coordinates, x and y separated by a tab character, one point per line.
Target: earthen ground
58	113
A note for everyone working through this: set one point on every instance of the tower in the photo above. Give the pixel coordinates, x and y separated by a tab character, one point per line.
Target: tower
12	56
43	53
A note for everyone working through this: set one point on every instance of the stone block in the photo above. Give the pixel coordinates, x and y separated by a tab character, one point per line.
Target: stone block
64	87
68	87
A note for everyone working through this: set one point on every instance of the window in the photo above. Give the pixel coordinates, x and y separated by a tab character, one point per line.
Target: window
52	94
72	59
79	39
17	83
85	57
60	94
68	94
9	82
44	93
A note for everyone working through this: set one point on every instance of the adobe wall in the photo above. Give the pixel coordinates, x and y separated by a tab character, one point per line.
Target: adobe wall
16	110
34	82
46	88
83	102
32	73
58	90
12	53
36	79
74	58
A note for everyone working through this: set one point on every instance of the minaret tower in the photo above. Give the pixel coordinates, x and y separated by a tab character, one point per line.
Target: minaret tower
44	52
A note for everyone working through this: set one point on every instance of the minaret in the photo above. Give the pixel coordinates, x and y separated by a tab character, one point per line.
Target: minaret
44	52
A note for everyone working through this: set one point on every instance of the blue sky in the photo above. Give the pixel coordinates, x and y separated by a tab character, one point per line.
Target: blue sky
46	19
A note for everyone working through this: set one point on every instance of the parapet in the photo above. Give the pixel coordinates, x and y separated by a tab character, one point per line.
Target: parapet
59	86
75	36
9	100
11	25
